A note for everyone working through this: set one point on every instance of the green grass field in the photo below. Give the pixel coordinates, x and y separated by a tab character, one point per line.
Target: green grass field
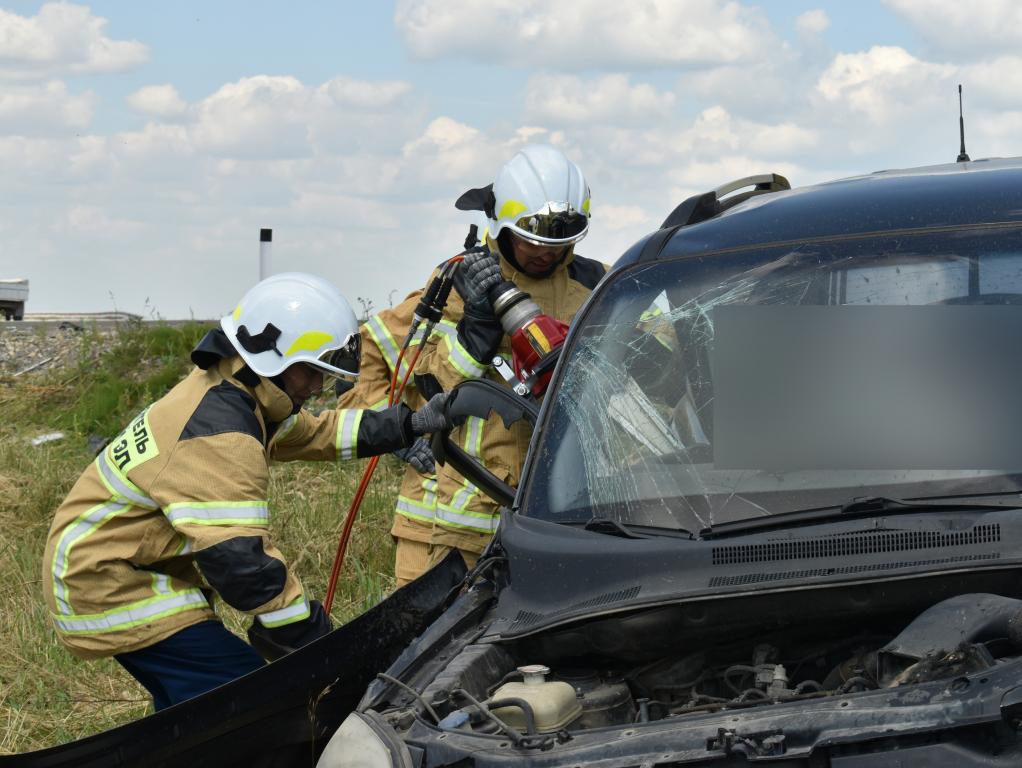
47	696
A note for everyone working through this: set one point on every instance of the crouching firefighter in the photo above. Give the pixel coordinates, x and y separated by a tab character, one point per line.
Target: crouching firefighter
175	507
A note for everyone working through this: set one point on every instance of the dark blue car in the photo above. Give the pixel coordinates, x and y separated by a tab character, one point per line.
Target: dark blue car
770	512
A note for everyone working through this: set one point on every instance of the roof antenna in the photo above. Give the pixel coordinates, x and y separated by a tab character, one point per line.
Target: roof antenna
962	157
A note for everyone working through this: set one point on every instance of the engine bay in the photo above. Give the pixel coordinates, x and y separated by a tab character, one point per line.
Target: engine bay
506	688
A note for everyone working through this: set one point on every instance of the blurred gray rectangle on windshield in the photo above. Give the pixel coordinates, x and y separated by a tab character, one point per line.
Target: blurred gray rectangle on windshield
867	387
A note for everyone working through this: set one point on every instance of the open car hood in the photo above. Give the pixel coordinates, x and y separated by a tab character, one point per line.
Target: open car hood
280	715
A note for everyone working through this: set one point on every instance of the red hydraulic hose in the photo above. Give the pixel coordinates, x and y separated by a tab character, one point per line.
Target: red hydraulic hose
396	391
356	502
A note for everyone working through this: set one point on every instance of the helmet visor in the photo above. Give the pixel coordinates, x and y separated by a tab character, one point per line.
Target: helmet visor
345	360
555	223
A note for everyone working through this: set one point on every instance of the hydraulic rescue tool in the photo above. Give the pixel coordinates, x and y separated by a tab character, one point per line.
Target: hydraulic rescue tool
536	341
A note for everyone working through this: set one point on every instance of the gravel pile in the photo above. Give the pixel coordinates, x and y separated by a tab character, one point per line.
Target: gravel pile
49	346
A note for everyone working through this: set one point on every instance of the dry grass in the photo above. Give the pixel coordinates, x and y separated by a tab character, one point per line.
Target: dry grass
48	697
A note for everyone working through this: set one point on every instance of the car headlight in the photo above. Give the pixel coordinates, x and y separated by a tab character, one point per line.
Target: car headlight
364	740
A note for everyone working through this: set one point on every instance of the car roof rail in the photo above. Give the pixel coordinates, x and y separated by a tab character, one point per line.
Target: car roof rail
709	204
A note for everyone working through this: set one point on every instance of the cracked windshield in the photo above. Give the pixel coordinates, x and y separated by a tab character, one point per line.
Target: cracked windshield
716	389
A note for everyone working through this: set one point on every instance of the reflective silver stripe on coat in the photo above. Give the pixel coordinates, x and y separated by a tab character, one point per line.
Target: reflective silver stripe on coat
295	612
462	361
285	427
429	485
383	340
445	329
119	484
473	439
478	521
132	616
347	432
225	514
409	508
72	534
161	584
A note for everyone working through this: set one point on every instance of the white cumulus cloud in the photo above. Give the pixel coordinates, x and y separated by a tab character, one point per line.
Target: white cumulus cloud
884	83
361	93
158	101
62	39
279	116
612	98
261	115
977	27
43	109
814	22
586	34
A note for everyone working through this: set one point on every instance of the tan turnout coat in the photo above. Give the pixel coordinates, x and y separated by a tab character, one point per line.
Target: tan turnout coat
177	504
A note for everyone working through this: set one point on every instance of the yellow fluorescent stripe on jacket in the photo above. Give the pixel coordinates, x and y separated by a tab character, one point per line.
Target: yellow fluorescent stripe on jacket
299	610
218	513
348	421
134	614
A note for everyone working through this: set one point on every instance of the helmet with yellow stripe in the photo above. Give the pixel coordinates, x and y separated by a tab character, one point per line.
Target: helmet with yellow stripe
293	318
541	196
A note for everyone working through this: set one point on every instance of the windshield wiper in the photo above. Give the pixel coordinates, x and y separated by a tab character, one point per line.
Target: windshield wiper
609	527
632	531
885	504
861	506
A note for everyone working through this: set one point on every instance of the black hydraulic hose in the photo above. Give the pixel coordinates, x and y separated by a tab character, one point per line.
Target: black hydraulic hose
851	682
511	733
413	692
522	704
811	684
745	669
514	673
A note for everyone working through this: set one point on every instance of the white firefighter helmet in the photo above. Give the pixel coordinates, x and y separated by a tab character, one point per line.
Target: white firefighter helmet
541	196
291	318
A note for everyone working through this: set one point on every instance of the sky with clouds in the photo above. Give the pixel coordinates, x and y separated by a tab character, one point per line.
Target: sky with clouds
143	145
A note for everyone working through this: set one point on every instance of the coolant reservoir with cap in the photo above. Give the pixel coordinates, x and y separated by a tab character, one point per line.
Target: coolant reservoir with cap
553	703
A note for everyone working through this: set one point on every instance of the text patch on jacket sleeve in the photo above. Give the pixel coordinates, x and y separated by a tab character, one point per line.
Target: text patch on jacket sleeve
134	446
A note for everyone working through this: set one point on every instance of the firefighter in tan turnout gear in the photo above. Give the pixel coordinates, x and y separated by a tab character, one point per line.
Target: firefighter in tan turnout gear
384	334
538	208
175	507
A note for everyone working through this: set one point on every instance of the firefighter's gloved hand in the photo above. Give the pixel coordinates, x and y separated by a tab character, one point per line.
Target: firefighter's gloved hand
431	417
477	274
419	456
272	643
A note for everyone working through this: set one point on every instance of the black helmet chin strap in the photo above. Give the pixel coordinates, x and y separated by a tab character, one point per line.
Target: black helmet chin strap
263	341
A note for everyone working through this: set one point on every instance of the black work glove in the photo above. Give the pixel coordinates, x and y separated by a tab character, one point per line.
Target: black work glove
419	456
431	417
280	641
475	276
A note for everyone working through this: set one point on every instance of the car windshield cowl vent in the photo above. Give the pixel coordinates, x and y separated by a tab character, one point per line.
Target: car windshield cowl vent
849	545
528	618
745	579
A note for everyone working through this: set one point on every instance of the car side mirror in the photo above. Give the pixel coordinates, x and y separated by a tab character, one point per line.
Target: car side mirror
480	398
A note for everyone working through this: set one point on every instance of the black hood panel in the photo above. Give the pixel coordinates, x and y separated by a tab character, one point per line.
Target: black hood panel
559	574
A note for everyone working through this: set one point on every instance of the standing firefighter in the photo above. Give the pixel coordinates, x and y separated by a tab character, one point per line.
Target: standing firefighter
538	208
175	508
385	333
